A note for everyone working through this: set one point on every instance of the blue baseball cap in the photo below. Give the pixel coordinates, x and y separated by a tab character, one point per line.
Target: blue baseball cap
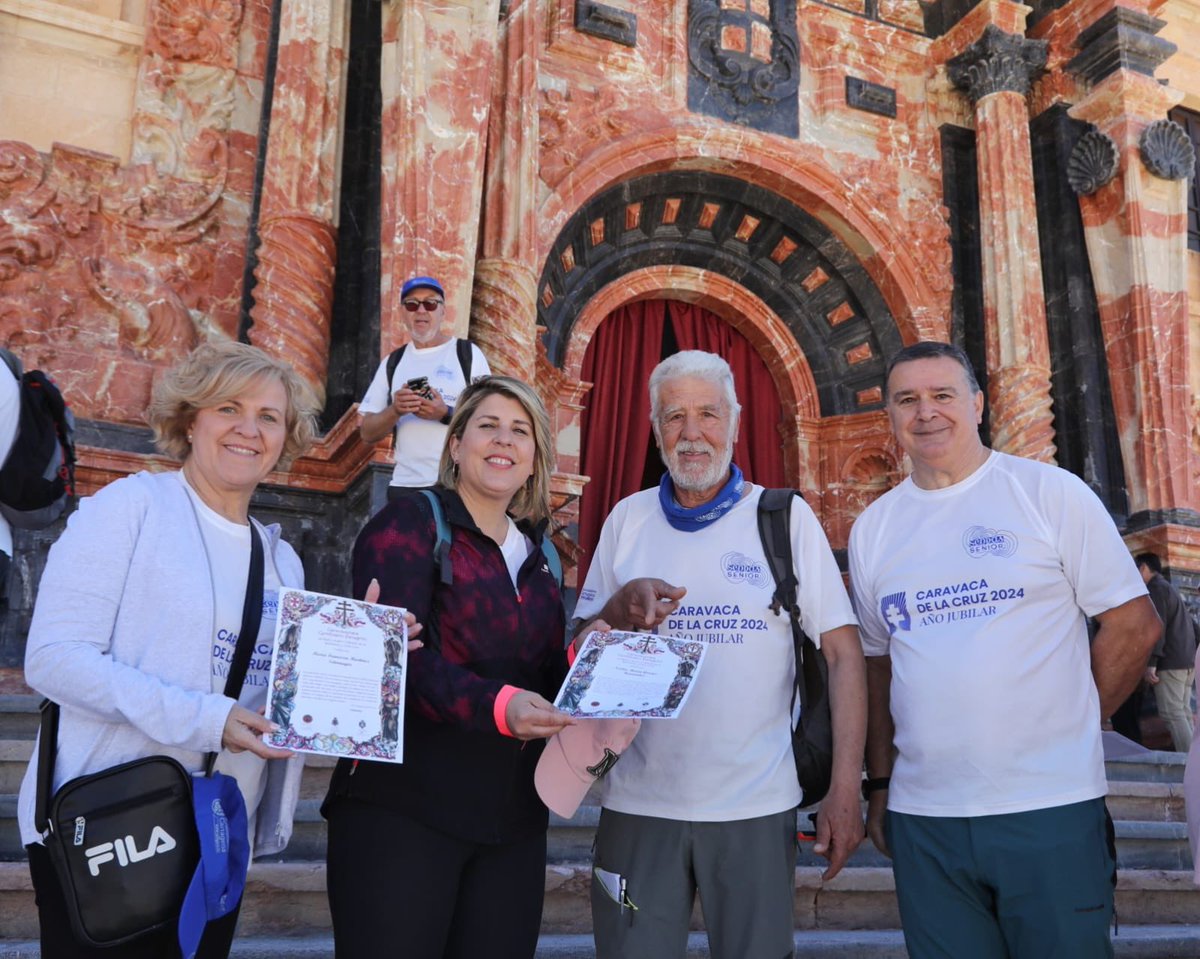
220	877
419	281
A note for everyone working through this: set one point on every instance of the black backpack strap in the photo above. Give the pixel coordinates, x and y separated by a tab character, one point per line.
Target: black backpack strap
47	754
248	634
466	354
393	361
774	529
441	545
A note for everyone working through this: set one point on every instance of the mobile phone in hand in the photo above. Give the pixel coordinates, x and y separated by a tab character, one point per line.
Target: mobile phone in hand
420	385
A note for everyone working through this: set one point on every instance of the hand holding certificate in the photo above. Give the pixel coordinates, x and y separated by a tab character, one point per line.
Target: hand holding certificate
337	677
621	674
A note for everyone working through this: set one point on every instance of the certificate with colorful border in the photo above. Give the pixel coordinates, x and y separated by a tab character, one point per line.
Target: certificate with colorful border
337	677
620	674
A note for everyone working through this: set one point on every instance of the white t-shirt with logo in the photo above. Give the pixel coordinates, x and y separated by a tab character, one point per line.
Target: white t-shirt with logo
980	592
228	548
419	441
729	755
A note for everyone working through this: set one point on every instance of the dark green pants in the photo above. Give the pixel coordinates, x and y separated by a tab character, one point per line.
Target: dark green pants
1028	885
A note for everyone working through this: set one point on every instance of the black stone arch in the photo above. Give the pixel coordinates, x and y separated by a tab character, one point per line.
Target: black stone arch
707	221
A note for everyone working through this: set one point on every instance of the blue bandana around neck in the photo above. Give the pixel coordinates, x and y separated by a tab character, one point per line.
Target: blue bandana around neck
690	520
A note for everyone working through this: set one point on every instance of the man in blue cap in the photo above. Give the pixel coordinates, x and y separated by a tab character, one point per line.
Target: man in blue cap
416	387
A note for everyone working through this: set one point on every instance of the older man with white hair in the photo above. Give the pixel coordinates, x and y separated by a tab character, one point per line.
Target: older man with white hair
707	802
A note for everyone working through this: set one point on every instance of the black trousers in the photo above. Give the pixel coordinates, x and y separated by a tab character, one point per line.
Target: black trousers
59	943
400	889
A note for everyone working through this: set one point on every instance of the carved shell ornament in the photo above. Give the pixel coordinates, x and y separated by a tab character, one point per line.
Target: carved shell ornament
1167	150
1093	162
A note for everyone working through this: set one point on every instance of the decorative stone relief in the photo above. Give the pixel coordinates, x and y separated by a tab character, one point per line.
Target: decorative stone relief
566	136
744	63
1167	150
1093	162
195	31
998	62
123	234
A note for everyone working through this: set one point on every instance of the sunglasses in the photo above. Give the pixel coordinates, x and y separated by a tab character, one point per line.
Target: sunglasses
430	305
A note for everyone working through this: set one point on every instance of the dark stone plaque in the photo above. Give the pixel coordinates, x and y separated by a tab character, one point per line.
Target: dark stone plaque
872	97
608	23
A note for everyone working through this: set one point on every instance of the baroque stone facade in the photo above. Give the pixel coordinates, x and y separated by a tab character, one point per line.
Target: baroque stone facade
833	179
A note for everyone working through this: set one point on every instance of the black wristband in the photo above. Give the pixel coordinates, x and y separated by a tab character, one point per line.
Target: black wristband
874	785
445	420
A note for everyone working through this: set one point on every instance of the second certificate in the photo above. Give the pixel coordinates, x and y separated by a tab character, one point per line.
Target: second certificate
619	674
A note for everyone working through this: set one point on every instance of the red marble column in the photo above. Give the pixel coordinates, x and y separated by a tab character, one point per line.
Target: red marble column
438	59
298	213
503	308
996	73
1135	226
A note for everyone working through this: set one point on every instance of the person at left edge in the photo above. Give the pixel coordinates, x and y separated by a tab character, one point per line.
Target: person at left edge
444	856
138	610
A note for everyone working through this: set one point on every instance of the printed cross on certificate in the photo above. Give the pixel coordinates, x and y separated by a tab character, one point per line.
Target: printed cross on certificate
344	609
645	645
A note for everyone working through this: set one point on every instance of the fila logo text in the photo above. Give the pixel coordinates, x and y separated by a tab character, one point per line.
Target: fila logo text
126	851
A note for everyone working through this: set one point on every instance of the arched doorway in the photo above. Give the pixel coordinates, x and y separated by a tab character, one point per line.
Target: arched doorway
617	446
769	270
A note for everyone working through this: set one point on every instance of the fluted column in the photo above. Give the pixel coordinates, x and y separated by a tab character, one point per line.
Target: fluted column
1132	185
437	64
996	73
297	224
504	309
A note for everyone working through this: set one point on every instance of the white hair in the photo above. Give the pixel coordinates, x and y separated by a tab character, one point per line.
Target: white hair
701	365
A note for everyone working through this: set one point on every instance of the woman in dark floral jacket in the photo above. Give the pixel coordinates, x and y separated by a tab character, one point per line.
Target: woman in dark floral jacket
443	856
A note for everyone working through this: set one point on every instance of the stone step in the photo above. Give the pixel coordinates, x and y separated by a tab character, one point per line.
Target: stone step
19	716
1146	801
1141	844
1133	942
288	899
1150	766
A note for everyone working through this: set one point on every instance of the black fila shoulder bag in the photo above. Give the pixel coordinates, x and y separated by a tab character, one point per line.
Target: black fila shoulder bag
123	840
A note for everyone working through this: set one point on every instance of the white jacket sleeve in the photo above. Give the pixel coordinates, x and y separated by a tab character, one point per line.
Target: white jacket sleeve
86	587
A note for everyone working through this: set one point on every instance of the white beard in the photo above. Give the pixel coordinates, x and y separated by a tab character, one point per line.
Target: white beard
698	482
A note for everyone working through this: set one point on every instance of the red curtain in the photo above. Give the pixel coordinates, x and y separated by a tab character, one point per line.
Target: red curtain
625	348
759	448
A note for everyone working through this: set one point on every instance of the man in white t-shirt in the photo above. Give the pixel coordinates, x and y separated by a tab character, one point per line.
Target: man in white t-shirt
973	581
10	411
707	802
416	402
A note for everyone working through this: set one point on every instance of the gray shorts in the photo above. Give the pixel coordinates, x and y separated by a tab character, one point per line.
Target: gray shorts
745	872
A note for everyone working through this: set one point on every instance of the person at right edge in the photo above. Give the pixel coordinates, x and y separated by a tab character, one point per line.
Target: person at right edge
444	855
973	580
1170	670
